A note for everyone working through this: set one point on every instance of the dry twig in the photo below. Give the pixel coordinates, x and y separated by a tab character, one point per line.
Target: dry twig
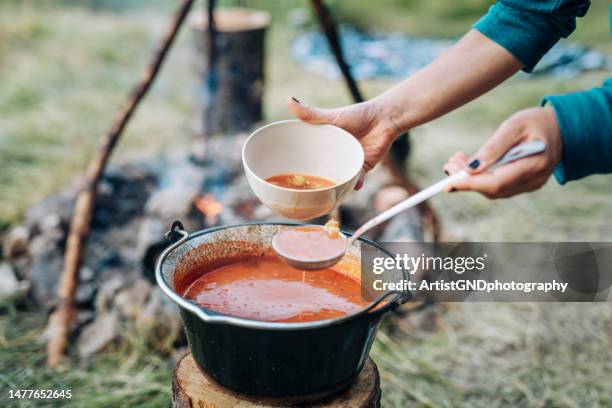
59	322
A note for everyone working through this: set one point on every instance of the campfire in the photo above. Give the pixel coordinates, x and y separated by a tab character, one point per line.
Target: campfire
209	207
124	211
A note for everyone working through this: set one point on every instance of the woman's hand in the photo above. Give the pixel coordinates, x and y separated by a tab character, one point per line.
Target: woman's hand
521	176
365	121
420	98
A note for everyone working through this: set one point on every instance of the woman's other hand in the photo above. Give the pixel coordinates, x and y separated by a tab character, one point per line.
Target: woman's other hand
521	176
365	121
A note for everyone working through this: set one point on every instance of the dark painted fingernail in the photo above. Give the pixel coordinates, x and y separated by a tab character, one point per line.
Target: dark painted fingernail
474	164
447	173
295	99
452	190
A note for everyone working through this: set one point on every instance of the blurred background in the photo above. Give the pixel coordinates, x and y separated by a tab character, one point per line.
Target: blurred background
66	68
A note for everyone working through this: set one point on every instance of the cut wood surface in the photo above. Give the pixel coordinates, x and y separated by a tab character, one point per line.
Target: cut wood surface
191	388
231	71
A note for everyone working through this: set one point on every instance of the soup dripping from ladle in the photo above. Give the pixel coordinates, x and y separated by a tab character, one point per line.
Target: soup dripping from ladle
315	247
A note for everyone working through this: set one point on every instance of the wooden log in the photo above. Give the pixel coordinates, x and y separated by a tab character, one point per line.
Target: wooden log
59	322
233	79
191	388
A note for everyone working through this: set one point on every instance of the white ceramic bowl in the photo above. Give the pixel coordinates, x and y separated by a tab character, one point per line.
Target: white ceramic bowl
292	146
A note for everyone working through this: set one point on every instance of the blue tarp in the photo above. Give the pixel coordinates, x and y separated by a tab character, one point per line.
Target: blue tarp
395	55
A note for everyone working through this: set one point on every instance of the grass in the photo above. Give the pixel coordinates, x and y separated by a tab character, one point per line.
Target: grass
546	355
66	67
65	78
129	374
536	355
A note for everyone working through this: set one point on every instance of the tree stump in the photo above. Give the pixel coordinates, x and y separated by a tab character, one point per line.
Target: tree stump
232	79
191	388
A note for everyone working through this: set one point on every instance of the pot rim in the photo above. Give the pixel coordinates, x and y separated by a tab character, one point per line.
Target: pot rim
211	316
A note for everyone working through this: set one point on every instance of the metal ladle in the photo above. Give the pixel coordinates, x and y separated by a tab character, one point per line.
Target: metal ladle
517	152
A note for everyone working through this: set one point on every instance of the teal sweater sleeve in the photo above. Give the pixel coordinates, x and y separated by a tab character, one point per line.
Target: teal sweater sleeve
529	28
585	122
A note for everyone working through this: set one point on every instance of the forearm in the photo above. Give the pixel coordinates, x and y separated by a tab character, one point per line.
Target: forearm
469	69
585	122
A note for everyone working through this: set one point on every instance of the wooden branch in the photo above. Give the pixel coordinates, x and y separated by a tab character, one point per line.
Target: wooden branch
211	74
431	223
59	322
329	29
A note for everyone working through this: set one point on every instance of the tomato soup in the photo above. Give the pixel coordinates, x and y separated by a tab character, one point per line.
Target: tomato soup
300	181
267	289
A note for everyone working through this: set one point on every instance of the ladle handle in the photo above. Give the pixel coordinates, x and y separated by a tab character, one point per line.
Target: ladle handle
517	152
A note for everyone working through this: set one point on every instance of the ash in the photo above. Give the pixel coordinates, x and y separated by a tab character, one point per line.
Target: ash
135	206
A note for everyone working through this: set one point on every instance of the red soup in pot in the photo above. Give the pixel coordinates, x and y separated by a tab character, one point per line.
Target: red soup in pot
267	289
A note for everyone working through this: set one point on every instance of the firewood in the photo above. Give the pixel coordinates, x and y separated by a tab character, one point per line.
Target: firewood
60	321
232	81
192	388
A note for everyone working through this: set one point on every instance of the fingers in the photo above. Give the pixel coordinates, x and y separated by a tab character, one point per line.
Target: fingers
311	114
360	181
526	187
504	138
364	170
518	177
456	163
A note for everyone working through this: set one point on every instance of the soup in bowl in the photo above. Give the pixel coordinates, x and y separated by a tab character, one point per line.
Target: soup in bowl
329	156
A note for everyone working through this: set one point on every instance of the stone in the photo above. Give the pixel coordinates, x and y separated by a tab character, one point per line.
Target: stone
42	244
159	320
11	289
107	291
98	334
86	274
85	293
50	222
83	318
121	195
16	241
180	183
61	205
150	233
44	276
157	306
131	300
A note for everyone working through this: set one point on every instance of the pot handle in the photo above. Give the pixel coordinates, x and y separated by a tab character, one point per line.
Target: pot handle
403	298
178	236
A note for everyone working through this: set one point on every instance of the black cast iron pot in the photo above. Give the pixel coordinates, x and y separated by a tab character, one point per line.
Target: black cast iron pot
268	359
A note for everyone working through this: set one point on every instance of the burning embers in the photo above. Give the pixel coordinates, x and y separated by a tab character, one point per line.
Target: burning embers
210	208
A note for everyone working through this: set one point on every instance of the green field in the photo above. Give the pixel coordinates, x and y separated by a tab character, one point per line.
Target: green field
66	66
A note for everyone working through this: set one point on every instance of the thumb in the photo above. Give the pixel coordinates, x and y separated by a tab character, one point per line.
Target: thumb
311	114
504	138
